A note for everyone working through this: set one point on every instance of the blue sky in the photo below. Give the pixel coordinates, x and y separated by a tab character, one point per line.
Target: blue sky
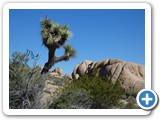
97	34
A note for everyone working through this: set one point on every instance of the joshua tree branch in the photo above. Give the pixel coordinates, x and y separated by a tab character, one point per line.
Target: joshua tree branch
52	60
64	57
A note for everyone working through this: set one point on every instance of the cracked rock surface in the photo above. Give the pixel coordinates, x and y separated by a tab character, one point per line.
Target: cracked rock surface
130	75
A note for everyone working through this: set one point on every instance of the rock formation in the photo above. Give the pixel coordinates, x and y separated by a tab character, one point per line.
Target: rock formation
52	86
57	72
130	75
49	94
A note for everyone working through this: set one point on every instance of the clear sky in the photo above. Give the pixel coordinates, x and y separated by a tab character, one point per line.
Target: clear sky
97	34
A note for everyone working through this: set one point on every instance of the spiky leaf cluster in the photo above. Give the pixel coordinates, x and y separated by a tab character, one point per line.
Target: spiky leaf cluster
69	50
53	33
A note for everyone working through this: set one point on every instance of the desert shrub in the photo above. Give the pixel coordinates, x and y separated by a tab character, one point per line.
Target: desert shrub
59	81
132	92
131	103
72	99
24	81
89	92
131	99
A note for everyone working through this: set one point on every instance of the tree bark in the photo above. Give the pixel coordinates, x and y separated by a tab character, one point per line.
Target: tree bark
51	60
64	57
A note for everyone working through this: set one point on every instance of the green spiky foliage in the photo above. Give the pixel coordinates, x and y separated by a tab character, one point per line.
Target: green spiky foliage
54	33
54	36
69	50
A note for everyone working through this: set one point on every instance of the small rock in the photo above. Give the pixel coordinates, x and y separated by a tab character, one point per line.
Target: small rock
68	76
58	71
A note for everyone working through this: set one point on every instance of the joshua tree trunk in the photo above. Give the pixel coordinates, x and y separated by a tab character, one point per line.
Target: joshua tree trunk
52	59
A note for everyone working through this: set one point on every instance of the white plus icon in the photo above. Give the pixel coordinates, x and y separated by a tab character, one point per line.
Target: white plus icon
147	99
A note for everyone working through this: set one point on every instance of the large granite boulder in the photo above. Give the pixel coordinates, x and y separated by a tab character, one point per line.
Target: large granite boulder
130	75
81	69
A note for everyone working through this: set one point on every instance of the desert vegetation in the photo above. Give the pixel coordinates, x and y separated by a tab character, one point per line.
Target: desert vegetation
34	87
24	82
88	92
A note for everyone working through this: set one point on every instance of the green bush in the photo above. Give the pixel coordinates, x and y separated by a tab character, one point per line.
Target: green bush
132	92
24	81
131	103
89	92
72	100
131	99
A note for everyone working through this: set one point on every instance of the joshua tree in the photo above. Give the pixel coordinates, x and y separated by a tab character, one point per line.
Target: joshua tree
54	36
